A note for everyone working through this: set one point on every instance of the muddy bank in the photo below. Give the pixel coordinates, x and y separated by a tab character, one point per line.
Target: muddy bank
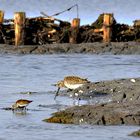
120	105
91	48
136	133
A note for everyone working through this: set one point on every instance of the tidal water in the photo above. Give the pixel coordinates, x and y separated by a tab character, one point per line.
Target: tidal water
37	73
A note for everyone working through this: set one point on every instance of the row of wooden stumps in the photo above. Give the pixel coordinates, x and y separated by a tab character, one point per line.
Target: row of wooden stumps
106	29
19	22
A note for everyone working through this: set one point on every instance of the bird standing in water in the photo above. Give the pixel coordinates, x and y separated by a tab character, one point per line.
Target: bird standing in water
21	104
70	82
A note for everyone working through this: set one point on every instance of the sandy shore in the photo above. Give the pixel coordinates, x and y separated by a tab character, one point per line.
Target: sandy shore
92	48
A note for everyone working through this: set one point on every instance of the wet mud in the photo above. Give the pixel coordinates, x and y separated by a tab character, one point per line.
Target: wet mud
68	48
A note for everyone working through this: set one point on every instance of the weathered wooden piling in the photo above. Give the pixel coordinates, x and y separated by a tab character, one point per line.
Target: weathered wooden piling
107	29
74	30
1	17
1	26
19	21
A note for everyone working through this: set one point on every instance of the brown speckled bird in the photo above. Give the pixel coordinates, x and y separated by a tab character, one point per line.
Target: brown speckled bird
21	104
70	82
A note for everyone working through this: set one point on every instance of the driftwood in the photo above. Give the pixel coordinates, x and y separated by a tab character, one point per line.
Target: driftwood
43	30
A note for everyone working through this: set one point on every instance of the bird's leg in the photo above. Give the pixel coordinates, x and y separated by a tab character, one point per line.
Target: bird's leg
22	109
57	93
13	110
25	108
79	101
69	90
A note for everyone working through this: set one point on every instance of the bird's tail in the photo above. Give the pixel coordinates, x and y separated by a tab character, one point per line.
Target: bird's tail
87	81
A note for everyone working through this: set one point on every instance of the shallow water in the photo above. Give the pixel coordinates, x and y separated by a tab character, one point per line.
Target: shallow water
22	73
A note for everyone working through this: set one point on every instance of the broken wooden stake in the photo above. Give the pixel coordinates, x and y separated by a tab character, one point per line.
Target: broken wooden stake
1	26
107	29
1	17
74	30
19	21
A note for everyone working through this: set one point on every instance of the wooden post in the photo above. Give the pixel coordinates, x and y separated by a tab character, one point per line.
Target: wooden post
1	26
1	17
107	30
74	30
75	22
19	20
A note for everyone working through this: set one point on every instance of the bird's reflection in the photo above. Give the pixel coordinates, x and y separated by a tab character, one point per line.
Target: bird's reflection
20	112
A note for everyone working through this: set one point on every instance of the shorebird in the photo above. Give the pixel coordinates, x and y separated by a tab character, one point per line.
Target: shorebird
21	104
70	82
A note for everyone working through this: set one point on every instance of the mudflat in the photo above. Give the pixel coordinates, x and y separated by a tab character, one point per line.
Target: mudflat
121	101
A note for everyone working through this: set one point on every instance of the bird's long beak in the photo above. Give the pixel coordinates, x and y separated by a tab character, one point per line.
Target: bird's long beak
57	93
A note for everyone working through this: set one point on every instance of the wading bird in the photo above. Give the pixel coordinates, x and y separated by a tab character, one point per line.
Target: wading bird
21	104
70	82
